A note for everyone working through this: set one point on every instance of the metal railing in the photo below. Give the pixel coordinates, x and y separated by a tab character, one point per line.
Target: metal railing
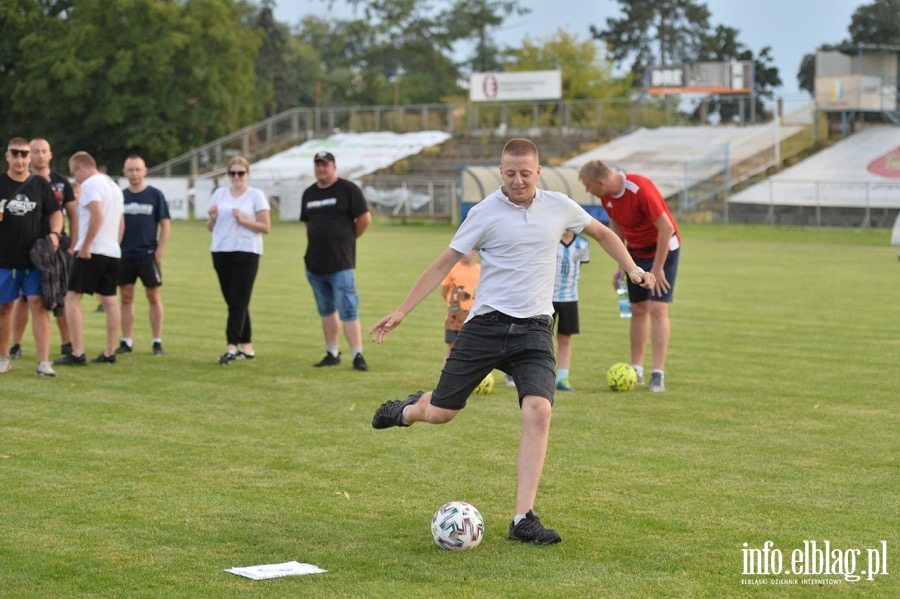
723	168
819	203
710	177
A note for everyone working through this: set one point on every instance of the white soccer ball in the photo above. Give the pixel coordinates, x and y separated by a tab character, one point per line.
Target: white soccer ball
457	526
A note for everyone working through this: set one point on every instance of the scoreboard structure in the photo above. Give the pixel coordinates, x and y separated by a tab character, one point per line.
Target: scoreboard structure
701	78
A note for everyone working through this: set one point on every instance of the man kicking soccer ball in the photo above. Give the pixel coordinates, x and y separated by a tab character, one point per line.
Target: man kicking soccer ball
510	327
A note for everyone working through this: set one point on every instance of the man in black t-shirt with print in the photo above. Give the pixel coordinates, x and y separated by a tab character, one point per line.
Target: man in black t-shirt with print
41	155
336	214
28	212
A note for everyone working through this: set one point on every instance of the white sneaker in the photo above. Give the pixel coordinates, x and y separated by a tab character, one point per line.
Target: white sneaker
509	381
4	364
656	382
45	369
640	375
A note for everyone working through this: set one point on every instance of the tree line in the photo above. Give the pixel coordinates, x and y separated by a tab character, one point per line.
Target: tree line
157	77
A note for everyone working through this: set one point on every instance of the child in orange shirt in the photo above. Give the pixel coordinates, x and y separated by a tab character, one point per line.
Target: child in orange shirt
458	288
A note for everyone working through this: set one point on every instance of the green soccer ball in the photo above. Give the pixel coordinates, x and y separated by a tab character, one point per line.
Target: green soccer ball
621	377
485	386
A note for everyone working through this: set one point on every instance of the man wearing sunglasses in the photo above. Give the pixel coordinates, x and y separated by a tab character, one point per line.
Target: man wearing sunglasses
41	155
28	212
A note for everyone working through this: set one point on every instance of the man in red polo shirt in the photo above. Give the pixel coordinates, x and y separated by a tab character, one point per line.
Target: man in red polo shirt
639	215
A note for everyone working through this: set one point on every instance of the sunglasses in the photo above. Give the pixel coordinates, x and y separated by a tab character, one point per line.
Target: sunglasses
236	173
17	152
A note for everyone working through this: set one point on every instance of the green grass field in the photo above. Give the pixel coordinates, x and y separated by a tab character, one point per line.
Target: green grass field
147	479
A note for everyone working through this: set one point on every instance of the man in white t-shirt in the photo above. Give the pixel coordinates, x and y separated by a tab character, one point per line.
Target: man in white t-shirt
97	254
510	327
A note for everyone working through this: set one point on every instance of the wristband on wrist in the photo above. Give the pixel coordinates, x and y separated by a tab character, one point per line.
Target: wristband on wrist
636	271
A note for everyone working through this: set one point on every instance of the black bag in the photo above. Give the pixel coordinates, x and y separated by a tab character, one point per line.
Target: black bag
54	271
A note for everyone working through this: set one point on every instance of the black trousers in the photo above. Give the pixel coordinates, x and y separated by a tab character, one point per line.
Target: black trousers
237	273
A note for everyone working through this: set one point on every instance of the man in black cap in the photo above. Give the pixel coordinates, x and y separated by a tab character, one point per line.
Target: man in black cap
336	214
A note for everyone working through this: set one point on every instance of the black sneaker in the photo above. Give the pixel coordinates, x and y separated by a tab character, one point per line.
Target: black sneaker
123	348
15	351
328	360
390	413
359	363
530	530
65	349
157	349
104	359
242	355
70	360
100	309
227	358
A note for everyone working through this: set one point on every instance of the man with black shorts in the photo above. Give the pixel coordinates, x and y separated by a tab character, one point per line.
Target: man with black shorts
639	215
146	212
97	255
515	230
28	212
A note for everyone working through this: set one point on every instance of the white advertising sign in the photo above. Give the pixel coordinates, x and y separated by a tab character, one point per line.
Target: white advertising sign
176	192
524	85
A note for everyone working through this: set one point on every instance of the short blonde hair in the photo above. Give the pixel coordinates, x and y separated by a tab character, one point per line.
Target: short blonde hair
520	146
595	170
82	158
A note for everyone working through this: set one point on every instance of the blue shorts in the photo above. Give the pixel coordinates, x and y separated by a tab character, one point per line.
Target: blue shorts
637	294
19	281
336	292
521	347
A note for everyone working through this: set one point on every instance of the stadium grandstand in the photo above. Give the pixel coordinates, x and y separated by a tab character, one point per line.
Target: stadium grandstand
408	159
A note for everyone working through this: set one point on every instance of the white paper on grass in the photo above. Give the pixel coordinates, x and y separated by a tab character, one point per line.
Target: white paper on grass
276	570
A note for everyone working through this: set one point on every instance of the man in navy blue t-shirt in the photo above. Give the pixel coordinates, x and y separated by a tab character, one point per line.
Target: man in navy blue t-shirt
146	214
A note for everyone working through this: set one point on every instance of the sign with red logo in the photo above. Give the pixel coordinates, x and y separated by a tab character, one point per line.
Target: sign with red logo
490	87
520	85
888	165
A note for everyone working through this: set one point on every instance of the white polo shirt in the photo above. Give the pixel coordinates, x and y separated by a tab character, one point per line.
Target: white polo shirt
518	250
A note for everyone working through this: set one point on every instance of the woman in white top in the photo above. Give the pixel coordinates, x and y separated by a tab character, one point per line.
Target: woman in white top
238	218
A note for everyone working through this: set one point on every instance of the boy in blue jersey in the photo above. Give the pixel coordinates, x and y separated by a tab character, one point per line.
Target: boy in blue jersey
572	251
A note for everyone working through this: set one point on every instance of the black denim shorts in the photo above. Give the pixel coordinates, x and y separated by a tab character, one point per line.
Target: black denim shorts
521	347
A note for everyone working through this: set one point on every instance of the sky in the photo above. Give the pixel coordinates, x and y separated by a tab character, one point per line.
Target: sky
792	28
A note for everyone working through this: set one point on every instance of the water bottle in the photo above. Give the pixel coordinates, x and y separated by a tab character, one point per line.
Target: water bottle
622	293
